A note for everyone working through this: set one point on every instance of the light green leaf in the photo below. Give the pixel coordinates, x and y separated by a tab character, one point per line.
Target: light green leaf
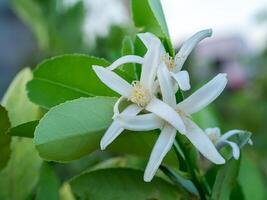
20	176
251	180
24	130
20	109
65	192
226	180
4	139
66	77
121	184
48	184
74	129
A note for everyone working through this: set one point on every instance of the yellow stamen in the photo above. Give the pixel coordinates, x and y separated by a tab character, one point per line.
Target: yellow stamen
140	95
169	61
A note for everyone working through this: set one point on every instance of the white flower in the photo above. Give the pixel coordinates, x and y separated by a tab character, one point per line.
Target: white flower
175	65
222	140
194	103
140	93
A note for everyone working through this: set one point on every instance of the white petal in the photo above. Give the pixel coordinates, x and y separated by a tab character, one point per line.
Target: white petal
147	39
150	65
234	146
113	81
202	142
216	131
124	60
167	113
115	128
182	78
250	142
145	122
166	85
160	149
204	96
188	47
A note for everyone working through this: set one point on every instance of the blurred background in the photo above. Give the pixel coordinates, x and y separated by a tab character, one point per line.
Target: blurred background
31	30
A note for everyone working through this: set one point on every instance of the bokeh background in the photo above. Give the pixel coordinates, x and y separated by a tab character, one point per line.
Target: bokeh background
31	30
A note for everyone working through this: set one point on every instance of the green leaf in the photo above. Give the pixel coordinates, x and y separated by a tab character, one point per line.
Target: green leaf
121	184
128	49
24	130
226	180
48	184
251	180
4	139
19	178
66	77
149	17
20	109
74	129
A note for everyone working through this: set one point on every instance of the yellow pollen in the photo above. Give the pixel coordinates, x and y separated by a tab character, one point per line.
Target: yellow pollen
169	61
140	95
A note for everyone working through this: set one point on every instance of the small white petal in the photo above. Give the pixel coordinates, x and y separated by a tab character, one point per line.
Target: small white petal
167	113
250	142
188	47
113	81
234	146
115	128
145	122
182	78
160	149
150	65
203	96
216	131
147	39
124	60
166	85
202	142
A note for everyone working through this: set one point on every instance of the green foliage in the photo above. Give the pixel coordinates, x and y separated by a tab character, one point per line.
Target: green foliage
66	77
120	184
48	184
24	130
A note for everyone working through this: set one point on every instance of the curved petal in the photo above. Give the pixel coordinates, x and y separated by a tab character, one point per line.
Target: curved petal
203	96
113	81
182	78
147	39
167	113
150	65
166	85
188	47
160	149
234	146
126	59
115	128
145	122
202	142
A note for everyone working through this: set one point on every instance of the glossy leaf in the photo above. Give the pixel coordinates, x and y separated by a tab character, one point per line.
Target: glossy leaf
66	77
226	180
24	130
121	184
4	139
48	184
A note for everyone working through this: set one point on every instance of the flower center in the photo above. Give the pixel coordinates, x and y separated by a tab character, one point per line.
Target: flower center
140	95
169	61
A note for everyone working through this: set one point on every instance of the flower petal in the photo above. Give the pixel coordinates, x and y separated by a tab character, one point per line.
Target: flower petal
113	81
203	96
166	85
150	65
115	128
182	78
145	122
167	113
234	146
160	149
124	60
188	47
202	142
147	39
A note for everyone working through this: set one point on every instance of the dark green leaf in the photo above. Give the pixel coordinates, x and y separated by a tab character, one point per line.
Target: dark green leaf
4	139
67	77
24	130
121	184
48	184
226	180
